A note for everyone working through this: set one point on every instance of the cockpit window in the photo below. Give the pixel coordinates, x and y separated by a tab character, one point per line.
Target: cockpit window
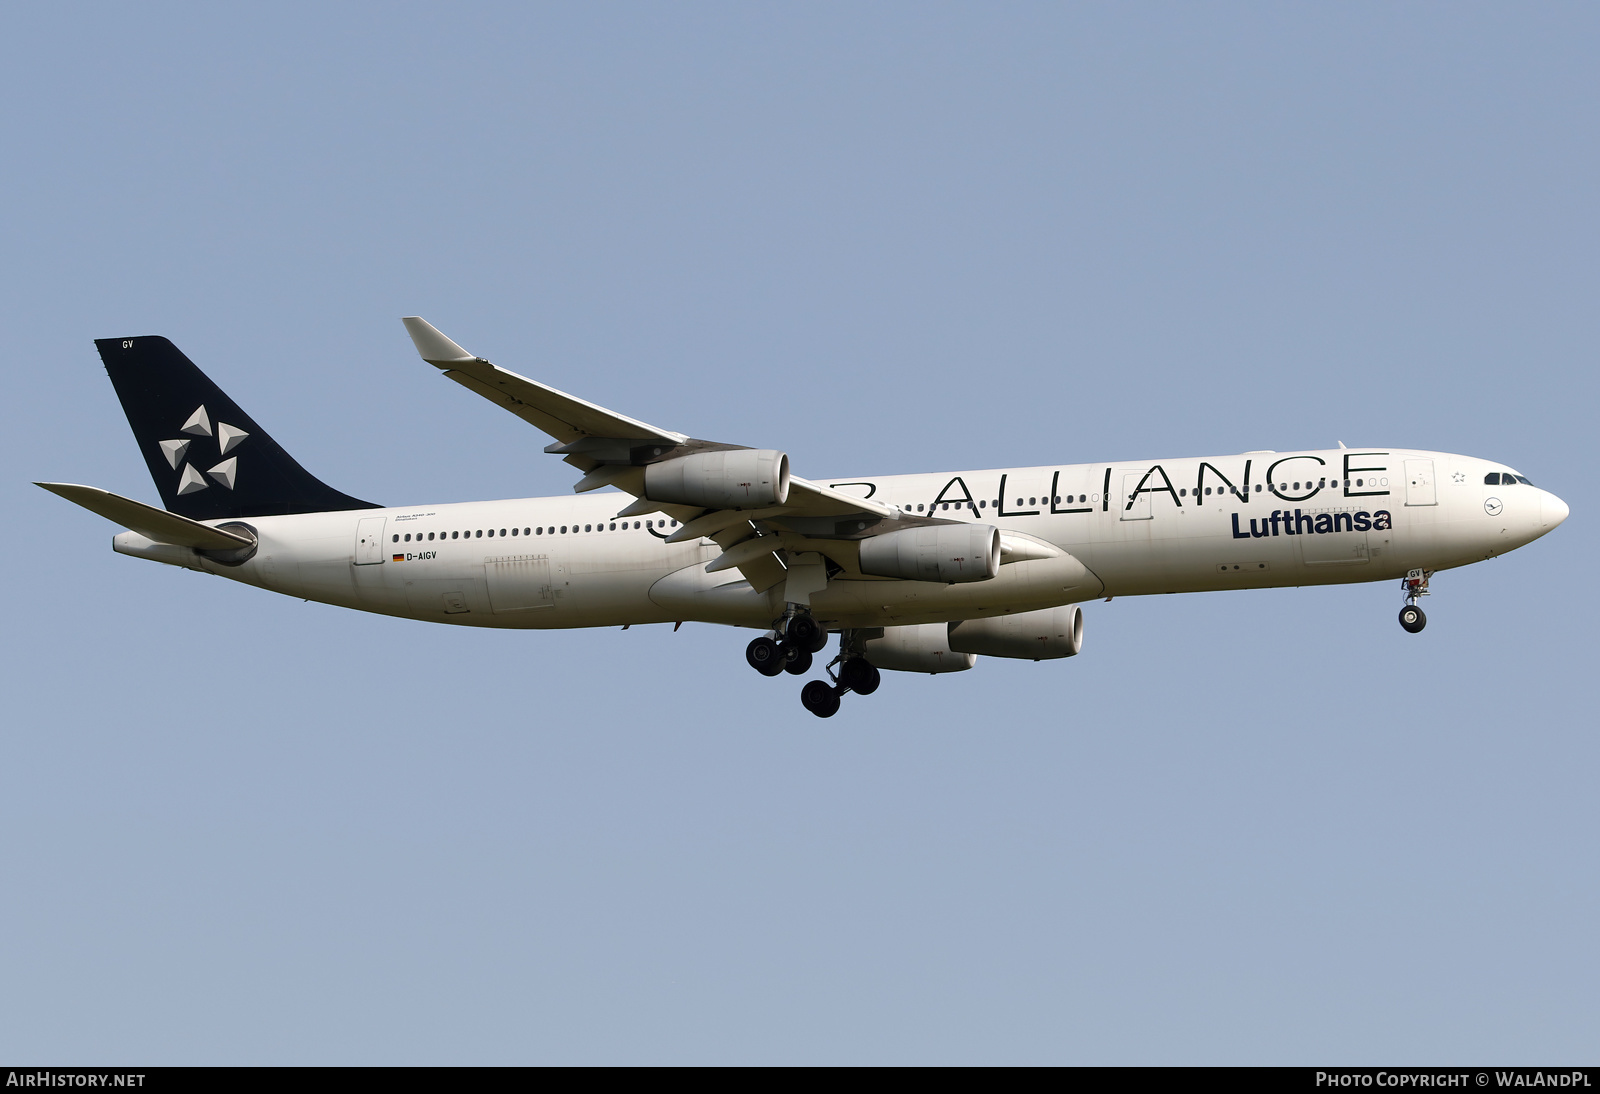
1492	479
1523	480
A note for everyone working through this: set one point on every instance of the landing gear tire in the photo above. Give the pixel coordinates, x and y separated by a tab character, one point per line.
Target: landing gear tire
764	656
803	632
820	641
820	699
799	660
859	675
1412	619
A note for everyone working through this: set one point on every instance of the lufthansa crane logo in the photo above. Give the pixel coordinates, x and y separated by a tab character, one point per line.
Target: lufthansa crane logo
181	453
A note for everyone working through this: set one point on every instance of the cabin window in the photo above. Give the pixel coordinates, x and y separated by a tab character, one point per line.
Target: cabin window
587	528
491	533
397	538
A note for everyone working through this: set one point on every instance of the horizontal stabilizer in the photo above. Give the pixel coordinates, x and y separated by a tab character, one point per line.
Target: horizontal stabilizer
147	520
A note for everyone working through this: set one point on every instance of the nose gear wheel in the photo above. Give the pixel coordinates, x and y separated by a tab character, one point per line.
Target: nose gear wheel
1414	585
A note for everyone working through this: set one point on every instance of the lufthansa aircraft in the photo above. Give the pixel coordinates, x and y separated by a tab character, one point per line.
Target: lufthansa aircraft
918	573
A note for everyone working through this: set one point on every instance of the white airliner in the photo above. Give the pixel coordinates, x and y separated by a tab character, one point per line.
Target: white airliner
918	573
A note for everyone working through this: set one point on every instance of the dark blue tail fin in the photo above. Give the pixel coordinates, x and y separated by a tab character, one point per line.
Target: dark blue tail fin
209	458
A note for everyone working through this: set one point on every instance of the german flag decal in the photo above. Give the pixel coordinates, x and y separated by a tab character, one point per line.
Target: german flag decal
399	558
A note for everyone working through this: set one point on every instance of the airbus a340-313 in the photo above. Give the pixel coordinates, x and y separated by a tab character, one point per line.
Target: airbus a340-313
916	573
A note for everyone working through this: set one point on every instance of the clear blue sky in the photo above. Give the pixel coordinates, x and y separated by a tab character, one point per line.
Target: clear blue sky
1260	827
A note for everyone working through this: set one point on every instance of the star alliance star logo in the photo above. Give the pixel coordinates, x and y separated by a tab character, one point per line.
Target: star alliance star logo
228	438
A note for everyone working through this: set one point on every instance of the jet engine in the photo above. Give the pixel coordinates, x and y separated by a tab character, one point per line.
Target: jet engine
1035	636
920	647
740	478
939	552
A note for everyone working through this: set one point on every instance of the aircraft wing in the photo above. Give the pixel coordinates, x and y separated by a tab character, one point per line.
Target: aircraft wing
612	448
565	417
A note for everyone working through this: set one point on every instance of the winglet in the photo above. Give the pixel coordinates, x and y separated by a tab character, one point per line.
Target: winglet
434	347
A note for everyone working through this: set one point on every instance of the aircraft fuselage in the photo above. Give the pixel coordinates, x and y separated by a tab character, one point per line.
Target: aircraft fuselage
1253	520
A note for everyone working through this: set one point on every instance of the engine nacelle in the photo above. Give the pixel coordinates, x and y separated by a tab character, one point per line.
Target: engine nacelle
740	478
920	647
1034	636
938	552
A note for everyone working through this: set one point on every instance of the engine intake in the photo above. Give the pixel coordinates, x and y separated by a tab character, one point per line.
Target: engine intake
1043	635
741	478
939	552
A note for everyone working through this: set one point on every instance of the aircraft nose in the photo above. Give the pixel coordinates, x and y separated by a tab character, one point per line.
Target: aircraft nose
1552	510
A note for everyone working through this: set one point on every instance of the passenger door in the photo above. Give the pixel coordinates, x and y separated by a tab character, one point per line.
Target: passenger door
369	541
1420	489
1141	504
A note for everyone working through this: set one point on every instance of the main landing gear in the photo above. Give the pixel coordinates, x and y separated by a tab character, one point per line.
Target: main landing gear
856	674
790	648
1414	585
802	637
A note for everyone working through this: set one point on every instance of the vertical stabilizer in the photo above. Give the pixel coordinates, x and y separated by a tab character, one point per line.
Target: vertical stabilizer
210	459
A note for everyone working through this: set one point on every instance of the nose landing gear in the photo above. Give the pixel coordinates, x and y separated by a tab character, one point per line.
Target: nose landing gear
1414	585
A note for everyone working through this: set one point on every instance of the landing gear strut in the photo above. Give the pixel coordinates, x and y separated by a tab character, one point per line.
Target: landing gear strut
1414	585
